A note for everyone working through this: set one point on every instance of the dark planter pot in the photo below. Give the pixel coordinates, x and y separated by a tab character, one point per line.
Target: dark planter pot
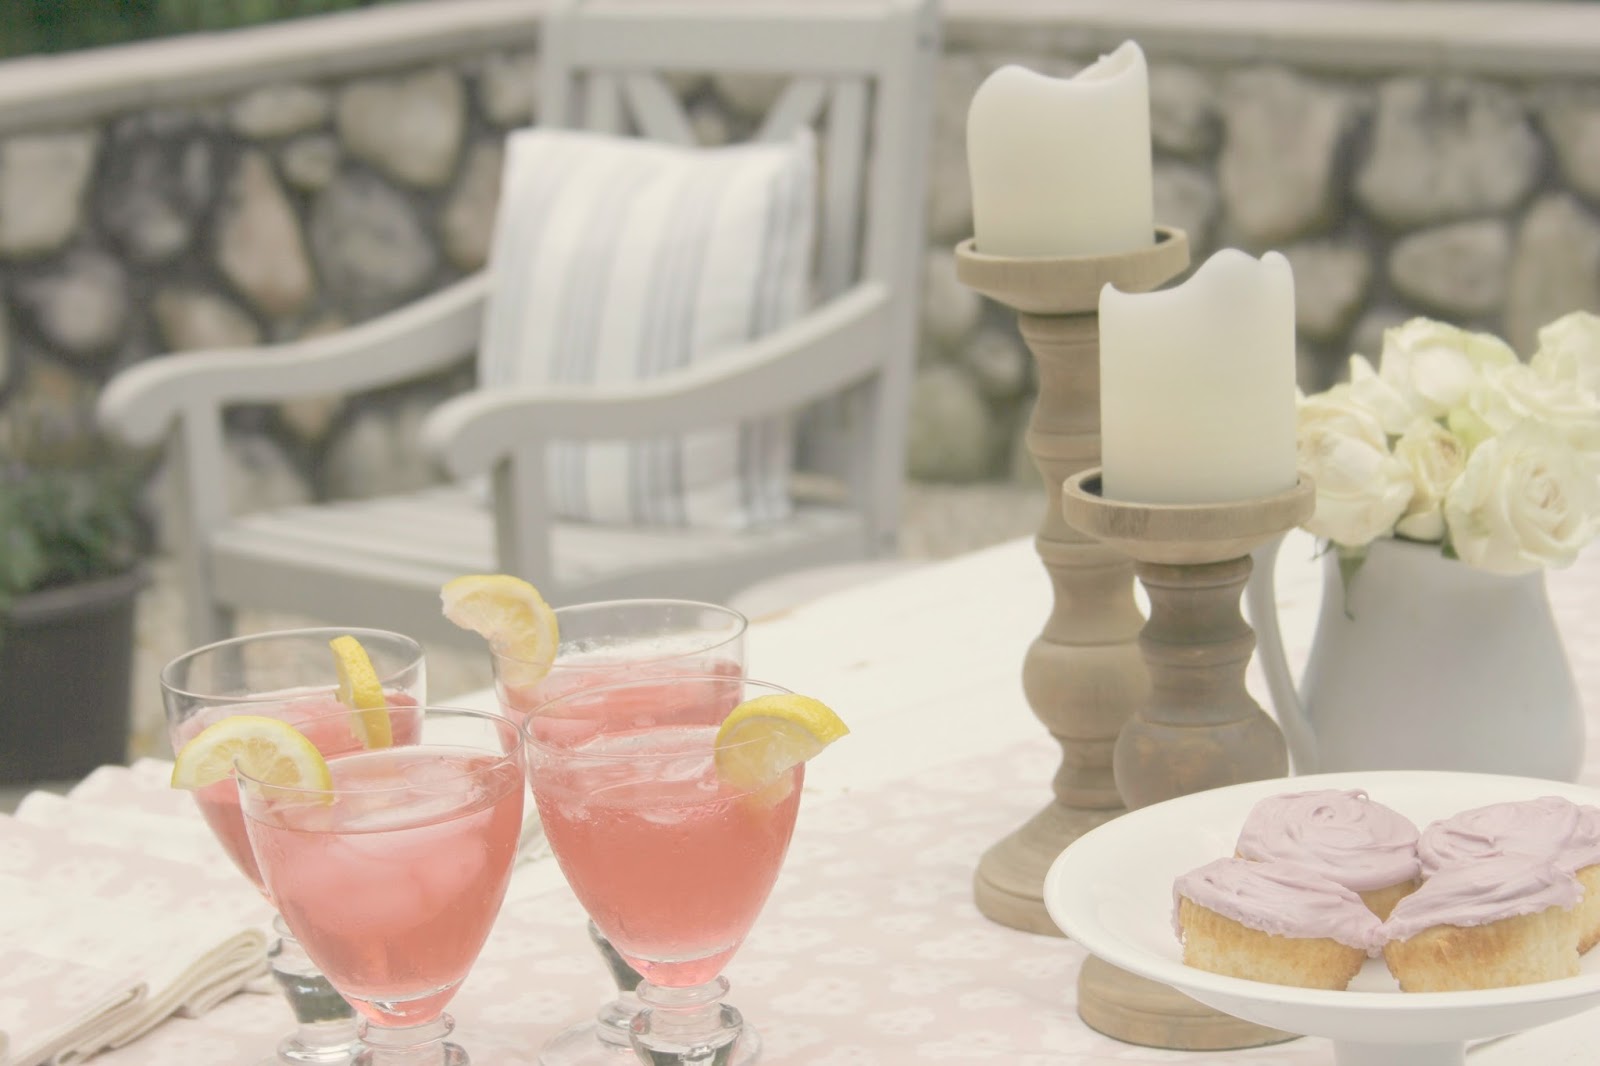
66	665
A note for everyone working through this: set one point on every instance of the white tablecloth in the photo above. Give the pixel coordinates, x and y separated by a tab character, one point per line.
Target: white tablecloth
870	951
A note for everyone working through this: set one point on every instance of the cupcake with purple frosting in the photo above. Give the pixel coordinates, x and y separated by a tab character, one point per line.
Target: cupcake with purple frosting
1490	923
1279	922
1343	835
1548	828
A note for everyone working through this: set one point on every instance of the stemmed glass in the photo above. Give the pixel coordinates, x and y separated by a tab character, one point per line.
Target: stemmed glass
672	861
287	674
393	877
600	643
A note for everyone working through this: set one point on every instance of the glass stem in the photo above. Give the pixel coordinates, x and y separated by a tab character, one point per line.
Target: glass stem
414	1045
614	1018
326	1033
690	1026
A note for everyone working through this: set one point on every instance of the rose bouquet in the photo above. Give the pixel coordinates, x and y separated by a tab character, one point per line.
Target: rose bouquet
1452	440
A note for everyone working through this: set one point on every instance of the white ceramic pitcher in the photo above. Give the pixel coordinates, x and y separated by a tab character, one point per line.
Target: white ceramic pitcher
1423	663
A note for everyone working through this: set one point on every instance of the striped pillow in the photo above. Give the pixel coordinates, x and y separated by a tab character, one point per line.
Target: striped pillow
617	259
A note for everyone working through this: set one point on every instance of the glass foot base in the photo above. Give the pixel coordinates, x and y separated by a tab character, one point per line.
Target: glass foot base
452	1055
581	1045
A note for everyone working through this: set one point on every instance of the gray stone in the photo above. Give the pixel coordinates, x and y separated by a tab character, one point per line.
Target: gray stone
1367	338
950	310
409	127
1555	268
310	162
949	185
749	96
259	246
5	345
1330	283
192	319
710	125
508	87
261	477
370	247
999	363
1186	197
279	111
310	418
156	189
1184	118
952	433
1281	138
51	402
468	219
1571	117
42	181
1446	149
378	453
1458	269
81	307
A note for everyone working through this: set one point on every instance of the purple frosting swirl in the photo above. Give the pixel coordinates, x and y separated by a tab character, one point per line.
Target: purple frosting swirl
1545	828
1482	892
1341	834
1280	898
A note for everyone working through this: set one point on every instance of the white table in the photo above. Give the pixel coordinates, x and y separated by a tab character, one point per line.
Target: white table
870	951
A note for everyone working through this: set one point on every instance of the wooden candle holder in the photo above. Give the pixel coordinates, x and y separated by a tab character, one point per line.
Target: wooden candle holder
1200	728
1083	675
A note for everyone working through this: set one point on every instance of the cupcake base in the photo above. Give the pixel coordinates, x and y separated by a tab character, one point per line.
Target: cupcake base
1589	909
1522	950
1221	945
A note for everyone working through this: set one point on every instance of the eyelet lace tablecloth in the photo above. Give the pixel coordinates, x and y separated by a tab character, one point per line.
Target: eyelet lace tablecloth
870	951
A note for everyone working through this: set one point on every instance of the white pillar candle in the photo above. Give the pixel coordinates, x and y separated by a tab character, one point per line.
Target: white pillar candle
1061	166
1197	385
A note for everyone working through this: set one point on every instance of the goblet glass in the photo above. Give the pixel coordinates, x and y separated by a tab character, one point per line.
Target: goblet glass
393	876
601	643
672	860
286	674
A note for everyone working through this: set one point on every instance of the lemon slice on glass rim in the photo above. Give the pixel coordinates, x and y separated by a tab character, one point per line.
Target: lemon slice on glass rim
510	614
764	737
268	749
361	691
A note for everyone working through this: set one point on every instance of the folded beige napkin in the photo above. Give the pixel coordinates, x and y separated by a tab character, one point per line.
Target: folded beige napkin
117	910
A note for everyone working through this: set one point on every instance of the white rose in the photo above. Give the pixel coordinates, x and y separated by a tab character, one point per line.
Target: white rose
1569	350
1525	500
1510	395
1394	411
1434	458
1361	488
1435	366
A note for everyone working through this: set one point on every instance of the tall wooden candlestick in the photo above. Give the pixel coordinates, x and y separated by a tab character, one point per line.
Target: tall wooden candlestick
1200	728
1083	675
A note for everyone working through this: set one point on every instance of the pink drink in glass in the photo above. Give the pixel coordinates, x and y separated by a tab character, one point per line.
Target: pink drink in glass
672	863
392	887
634	707
325	722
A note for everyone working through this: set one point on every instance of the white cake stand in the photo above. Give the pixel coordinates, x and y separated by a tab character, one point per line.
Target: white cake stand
1111	891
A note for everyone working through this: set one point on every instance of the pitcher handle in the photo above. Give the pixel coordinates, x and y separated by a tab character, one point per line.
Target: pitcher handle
1261	595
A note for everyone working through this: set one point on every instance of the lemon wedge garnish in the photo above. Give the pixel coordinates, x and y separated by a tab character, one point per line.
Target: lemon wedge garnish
511	615
267	749
762	738
362	692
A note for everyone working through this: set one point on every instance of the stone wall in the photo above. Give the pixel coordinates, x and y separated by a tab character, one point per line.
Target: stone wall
252	204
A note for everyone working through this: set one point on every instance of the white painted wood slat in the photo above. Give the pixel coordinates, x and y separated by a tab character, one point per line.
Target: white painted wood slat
656	111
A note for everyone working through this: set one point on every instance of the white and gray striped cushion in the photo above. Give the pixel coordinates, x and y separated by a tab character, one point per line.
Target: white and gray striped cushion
620	259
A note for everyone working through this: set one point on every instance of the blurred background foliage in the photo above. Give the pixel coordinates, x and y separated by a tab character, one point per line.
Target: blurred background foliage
33	26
